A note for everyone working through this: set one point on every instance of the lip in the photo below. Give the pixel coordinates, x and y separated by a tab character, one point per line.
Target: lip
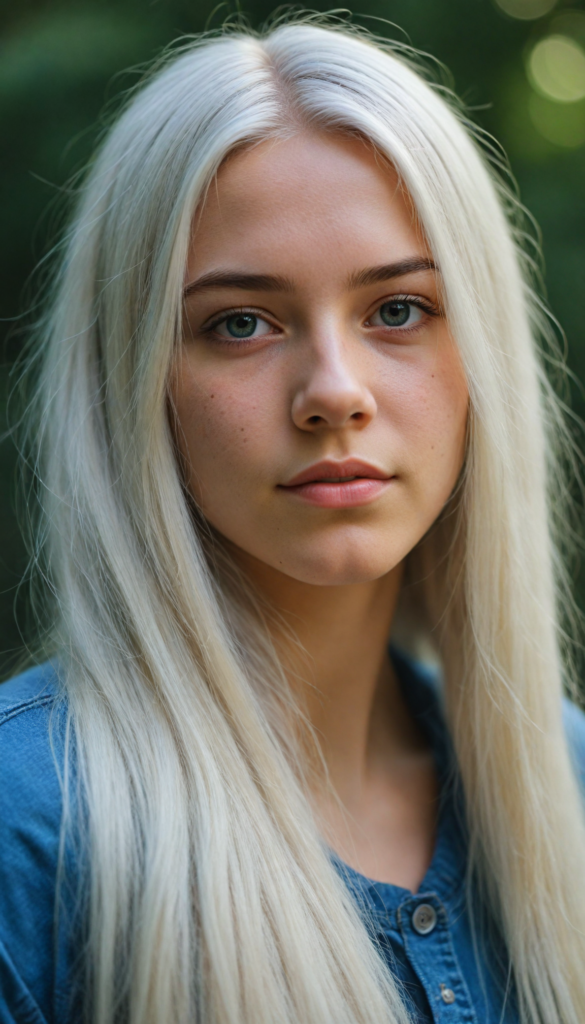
320	483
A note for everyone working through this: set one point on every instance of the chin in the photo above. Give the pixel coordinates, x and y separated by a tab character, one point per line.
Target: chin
337	568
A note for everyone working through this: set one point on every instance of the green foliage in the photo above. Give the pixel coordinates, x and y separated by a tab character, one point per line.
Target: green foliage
63	64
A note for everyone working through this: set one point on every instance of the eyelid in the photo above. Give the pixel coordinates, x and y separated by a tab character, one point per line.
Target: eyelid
219	318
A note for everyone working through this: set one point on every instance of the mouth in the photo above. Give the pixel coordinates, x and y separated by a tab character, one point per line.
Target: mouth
339	479
346	484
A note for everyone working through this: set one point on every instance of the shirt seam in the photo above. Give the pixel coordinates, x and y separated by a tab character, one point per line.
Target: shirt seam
28	705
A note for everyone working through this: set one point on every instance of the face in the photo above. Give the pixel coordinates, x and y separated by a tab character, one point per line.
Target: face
320	400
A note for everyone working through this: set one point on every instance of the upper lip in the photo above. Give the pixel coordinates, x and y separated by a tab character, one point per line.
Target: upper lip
329	469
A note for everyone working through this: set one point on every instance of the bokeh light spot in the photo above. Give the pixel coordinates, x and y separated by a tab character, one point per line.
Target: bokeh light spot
563	125
556	68
569	23
527	10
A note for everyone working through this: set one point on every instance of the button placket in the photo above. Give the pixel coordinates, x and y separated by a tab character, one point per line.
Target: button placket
424	926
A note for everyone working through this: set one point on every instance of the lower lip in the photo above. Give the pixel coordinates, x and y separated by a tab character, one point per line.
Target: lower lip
340	495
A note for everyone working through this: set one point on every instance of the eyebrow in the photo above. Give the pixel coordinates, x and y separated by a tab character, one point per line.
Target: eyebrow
235	279
376	275
274	283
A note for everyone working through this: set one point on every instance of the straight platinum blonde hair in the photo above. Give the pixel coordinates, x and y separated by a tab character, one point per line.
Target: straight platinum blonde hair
211	896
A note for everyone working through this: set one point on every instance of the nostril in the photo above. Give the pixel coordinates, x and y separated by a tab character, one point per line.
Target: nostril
357	416
315	420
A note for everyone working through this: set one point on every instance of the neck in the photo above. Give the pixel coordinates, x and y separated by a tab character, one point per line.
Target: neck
346	683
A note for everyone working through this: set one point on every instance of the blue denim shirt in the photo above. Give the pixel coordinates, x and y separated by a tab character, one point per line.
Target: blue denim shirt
448	975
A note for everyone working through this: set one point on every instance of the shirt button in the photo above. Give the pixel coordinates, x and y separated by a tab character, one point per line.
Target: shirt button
424	919
447	994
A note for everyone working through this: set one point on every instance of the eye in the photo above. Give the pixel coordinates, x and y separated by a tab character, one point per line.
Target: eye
241	327
396	313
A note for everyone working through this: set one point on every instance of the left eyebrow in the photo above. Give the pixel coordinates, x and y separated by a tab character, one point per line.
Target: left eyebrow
376	275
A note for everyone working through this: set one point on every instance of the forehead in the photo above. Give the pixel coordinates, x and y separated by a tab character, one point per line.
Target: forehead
309	197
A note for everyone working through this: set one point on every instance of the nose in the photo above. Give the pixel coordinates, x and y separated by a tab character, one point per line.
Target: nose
331	394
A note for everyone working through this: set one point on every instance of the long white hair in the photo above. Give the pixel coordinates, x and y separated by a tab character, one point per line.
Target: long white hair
212	897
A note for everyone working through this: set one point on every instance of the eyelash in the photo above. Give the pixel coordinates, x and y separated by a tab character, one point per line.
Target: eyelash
428	307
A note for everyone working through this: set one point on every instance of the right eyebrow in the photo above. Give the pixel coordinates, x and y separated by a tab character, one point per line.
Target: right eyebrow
237	279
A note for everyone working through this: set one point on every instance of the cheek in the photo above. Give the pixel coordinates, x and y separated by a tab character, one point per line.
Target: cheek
224	432
430	410
444	415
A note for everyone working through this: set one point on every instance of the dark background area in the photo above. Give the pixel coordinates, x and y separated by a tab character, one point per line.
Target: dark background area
518	64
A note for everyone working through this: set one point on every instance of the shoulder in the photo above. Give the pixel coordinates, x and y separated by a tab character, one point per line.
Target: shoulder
38	683
574	720
32	718
30	715
31	737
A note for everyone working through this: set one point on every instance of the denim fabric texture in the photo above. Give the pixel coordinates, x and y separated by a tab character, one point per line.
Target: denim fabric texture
449	972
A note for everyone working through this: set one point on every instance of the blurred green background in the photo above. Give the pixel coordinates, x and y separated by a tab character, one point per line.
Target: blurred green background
518	64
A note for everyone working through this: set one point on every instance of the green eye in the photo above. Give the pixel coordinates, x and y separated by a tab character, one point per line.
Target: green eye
396	313
241	325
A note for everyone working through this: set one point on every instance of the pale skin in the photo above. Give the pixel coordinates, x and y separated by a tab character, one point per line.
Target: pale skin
341	360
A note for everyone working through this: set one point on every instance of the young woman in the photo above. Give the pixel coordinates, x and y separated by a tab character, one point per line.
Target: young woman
291	402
